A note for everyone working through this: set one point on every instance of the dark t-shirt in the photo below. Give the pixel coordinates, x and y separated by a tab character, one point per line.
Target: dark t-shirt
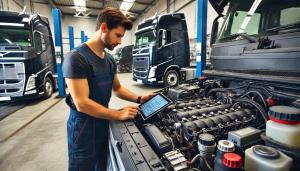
76	66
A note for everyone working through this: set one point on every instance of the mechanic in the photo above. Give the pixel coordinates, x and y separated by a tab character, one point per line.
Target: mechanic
90	74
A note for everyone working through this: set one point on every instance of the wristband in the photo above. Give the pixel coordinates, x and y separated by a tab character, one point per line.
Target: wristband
138	100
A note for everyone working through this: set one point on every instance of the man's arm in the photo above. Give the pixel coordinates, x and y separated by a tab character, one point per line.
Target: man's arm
79	91
126	94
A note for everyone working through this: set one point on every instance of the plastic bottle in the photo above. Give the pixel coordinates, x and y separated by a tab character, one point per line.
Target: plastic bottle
263	158
207	148
224	146
284	125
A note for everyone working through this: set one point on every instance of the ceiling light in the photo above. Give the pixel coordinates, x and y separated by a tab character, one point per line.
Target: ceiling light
80	3
126	5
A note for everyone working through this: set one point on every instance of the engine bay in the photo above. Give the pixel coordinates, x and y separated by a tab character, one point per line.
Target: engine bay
216	124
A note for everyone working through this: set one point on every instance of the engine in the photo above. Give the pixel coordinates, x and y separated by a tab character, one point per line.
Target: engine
210	119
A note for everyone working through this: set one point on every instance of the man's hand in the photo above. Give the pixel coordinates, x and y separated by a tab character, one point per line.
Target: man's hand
147	97
128	112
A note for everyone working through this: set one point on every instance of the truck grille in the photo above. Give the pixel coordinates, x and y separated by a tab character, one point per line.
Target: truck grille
140	66
12	79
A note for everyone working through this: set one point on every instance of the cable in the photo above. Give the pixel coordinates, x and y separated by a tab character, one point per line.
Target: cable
207	164
257	106
195	158
259	94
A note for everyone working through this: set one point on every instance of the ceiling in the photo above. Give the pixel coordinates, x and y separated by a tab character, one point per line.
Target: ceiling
93	7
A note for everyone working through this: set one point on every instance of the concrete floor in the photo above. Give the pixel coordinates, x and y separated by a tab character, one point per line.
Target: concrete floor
42	145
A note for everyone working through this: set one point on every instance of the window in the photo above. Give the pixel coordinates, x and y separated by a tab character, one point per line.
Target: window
43	43
15	36
290	16
252	26
145	38
168	37
38	42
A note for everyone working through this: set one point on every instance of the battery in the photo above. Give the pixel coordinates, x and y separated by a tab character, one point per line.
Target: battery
244	137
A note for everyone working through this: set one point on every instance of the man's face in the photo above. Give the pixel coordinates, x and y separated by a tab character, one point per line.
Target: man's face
112	37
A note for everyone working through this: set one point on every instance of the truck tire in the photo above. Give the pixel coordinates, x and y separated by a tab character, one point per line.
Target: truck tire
171	78
48	88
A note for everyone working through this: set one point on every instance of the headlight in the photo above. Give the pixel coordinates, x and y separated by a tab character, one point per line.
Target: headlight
31	83
152	72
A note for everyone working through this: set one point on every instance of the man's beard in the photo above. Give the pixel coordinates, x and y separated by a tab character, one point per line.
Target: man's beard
107	45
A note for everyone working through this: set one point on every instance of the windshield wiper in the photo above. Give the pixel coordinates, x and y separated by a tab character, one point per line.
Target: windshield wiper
244	35
284	27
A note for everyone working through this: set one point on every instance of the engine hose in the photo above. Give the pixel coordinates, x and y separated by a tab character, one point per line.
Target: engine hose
256	105
260	95
228	89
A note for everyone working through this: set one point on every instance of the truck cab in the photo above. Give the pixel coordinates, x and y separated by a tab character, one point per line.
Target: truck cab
123	58
27	58
161	50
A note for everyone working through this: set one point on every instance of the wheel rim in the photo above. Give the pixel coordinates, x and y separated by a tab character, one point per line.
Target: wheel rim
172	79
48	88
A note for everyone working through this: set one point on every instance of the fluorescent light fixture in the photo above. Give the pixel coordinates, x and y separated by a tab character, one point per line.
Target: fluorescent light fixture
80	3
126	5
11	24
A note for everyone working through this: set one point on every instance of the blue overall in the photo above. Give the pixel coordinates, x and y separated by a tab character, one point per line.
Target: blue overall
88	136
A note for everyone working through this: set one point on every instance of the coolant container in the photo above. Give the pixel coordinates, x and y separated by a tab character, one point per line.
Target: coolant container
284	125
263	158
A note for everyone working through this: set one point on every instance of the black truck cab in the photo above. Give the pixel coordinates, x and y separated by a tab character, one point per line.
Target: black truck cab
27	58
161	50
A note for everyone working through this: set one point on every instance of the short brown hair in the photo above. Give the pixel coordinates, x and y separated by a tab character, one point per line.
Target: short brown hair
113	18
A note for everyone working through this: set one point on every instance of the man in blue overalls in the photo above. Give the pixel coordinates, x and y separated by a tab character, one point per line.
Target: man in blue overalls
90	74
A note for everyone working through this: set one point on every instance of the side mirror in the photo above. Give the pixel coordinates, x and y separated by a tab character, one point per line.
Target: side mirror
214	32
162	35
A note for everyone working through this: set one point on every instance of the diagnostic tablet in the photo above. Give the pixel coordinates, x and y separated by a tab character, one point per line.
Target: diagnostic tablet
154	105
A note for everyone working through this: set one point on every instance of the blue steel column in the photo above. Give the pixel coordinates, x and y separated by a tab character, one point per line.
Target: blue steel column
58	51
71	37
201	37
82	36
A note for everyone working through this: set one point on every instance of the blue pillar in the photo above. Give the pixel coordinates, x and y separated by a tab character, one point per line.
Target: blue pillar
71	37
82	36
201	37
86	38
58	51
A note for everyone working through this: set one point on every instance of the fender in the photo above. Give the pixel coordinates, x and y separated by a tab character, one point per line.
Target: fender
172	66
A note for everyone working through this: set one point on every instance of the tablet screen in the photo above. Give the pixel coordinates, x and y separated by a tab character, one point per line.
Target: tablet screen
154	105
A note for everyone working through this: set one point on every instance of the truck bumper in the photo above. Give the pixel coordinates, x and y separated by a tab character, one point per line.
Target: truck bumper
32	94
150	81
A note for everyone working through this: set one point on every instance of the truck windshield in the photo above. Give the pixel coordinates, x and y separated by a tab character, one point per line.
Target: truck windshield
259	17
15	36
144	38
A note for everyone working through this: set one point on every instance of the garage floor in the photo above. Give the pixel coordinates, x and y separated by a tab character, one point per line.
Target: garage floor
42	145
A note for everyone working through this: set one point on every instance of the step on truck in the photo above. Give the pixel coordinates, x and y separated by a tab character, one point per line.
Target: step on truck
27	56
